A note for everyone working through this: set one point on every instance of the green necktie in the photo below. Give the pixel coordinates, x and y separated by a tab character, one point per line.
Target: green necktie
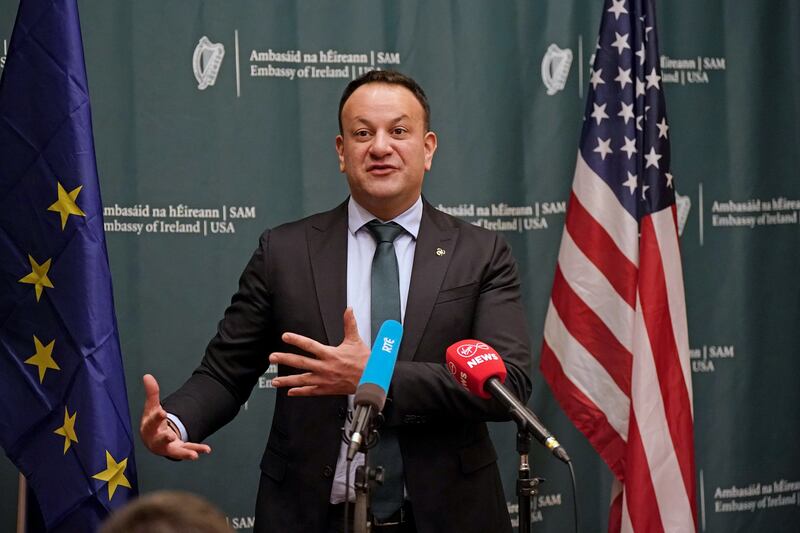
385	303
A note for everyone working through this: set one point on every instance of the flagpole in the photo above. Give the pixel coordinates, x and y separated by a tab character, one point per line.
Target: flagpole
22	503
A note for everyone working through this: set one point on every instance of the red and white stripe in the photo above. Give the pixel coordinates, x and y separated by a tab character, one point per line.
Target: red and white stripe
616	353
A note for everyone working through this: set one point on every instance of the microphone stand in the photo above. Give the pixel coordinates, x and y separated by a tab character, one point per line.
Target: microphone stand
527	486
366	478
361	486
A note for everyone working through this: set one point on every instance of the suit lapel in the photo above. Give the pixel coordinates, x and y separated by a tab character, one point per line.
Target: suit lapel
327	247
435	244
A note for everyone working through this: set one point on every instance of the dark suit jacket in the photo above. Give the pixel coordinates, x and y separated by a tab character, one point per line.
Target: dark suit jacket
296	281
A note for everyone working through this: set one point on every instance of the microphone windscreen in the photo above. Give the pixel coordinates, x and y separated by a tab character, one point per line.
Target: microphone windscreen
472	363
380	365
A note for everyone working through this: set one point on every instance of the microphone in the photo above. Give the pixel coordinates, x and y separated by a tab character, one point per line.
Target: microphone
480	370
374	384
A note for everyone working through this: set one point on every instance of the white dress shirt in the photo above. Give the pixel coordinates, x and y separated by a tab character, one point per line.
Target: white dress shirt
360	249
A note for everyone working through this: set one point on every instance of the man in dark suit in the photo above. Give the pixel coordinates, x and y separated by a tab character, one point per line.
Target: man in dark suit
304	298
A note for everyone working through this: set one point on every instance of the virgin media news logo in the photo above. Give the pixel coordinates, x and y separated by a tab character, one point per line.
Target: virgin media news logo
470	349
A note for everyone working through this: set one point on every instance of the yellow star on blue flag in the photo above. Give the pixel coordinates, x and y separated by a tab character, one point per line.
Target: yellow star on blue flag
114	474
68	429
66	205
38	276
43	358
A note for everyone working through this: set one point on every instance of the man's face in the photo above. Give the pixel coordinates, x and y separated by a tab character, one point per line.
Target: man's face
384	148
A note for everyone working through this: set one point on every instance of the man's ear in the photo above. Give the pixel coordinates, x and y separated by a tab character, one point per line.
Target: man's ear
430	147
340	151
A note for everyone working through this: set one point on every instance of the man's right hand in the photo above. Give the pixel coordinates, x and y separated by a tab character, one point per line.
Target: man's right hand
157	434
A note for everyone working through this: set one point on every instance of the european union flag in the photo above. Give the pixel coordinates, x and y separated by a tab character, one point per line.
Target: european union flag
64	417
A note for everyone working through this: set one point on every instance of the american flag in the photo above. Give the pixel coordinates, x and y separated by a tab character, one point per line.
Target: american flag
616	349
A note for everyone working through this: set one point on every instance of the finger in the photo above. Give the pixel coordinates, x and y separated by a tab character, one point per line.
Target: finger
151	392
296	361
182	453
295	380
351	326
199	448
309	390
188	454
188	450
304	343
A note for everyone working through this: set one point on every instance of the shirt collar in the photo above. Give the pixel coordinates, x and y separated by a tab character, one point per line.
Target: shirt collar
409	219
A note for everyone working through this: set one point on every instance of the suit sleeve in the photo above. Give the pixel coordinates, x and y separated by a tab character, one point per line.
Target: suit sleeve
424	390
235	357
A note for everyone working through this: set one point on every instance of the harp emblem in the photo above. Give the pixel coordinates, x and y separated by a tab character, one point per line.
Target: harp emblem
555	68
683	204
206	62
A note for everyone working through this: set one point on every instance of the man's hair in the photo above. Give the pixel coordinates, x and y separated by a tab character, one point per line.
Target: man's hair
167	512
389	77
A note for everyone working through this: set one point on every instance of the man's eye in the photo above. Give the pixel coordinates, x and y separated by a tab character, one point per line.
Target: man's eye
361	133
399	131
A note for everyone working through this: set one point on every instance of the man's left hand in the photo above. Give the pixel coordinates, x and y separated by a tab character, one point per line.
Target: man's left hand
334	370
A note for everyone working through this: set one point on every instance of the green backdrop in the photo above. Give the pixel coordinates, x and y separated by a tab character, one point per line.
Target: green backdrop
191	176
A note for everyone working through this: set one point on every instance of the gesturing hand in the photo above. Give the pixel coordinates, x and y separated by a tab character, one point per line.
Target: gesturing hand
156	433
335	370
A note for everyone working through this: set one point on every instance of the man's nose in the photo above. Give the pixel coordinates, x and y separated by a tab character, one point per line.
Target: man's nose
381	145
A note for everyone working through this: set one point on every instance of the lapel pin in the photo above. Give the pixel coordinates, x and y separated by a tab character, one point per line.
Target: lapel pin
440	252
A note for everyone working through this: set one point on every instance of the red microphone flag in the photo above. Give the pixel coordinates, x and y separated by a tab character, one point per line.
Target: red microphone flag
472	363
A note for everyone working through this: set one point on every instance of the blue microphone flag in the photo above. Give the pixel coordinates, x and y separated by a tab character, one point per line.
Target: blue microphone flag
380	365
